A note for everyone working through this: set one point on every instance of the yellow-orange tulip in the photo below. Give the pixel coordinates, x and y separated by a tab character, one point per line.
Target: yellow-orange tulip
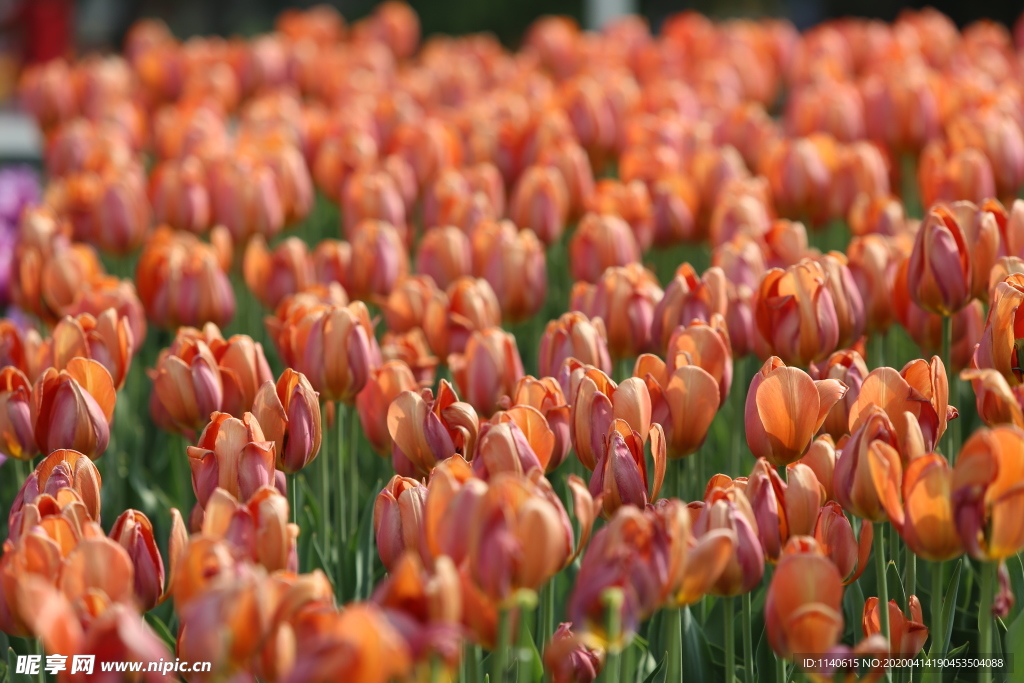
848	367
783	508
998	403
929	527
73	408
688	298
835	536
907	632
427	430
17	439
546	396
684	400
289	414
804	607
796	315
488	369
999	346
939	273
868	473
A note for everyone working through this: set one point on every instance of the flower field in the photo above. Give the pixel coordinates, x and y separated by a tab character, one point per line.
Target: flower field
341	353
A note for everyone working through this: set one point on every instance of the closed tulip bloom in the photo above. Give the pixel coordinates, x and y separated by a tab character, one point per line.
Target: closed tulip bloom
873	261
740	212
573	335
885	216
1011	227
999	346
451	317
907	632
625	298
177	189
569	660
334	348
920	389
412	349
273	275
546	396
621	474
595	402
837	540
257	530
243	368
688	298
783	508
444	254
106	338
572	162
797	318
62	469
289	414
929	527
73	408
427	430
398	518
16	434
406	305
187	384
986	496
488	369
379	260
846	297
444	200
799	173
540	202
821	458
382	387
630	200
982	233
372	196
861	170
784	410
997	402
600	242
514	263
331	261
945	174
246	197
684	399
134	532
729	509
428	146
869	470
939	274
786	243
232	454
804	607
848	367
121	214
706	345
516	441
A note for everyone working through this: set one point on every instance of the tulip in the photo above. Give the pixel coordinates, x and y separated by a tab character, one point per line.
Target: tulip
16	433
516	441
595	402
514	264
837	541
873	262
331	261
451	317
620	475
177	189
625	298
573	335
231	454
546	396
187	383
684	399
847	367
1001	270
372	196
945	174
426	430
106	338
784	409
488	369
429	146
600	242
273	275
729	509
73	408
540	202
799	173
929	528
412	349
379	259
985	494
398	520
783	509
289	414
1011	227
741	210
821	458
998	348
246	196
884	216
939	272
62	469
845	297
999	136
134	532
382	387
686	299
630	200
444	254
785	244
797	317
804	607
334	348
997	402
406	305
907	633
257	530
569	660
572	162
445	201
867	474
243	368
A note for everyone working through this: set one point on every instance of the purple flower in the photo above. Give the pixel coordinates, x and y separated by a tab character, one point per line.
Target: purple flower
19	187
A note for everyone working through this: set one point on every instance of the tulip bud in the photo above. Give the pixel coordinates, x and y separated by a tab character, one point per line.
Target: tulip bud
546	396
729	509
941	254
488	369
686	299
873	263
517	441
999	346
569	660
997	402
383	386
675	208
797	317
873	448
398	520
625	298
177	188
16	434
946	175
540	202
289	414
331	261
742	210
600	242
907	633
595	402
835	536
515	265
685	400
784	409
821	458
426	430
412	349
73	408
929	528
231	454
620	475
187	384
273	275
572	162
783	509
428	146
134	532
379	259
849	368
451	317
372	196
444	254
573	335
629	200
804	607
246	196
799	176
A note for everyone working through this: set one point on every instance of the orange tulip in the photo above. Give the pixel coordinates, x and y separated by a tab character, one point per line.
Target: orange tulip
804	607
398	521
998	348
258	529
331	262
187	383
868	473
845	297
929	528
488	369
61	469
406	305
783	509
799	172
106	338
835	536
514	263
907	633
685	400
372	195
73	408
134	532
847	367
686	299
382	387
1004	268
784	409
986	497
444	254
516	441
743	209
884	216
997	402
620	476
727	507
675	207
629	200
873	263
427	430
412	349
797	317
451	317
231	454
17	439
546	396
569	660
177	188
600	242
625	298
939	273
786	243
945	174
572	162
379	259
429	146
289	414
595	402
243	368
821	458
573	335
540	202
273	275
698	561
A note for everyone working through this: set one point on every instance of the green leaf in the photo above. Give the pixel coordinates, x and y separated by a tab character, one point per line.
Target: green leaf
697	664
948	607
658	675
1014	640
157	624
1015	567
853	610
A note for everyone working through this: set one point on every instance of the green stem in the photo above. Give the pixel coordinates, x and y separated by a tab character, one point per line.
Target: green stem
877	350
499	665
22	468
546	618
988	585
341	521
325	483
474	666
938	630
894	547
883	587
737	398
910	575
730	640
947	358
526	604
353	469
612	599
780	670
673	636
748	641
293	480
